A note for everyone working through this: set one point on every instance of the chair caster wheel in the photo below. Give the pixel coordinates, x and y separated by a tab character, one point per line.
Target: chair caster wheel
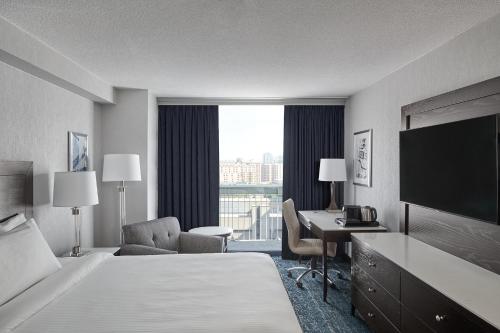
289	274
299	284
333	286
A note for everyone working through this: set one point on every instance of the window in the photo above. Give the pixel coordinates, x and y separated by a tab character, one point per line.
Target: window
251	170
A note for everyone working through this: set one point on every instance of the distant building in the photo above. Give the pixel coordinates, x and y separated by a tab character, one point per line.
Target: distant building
240	172
272	173
277	173
267	158
249	172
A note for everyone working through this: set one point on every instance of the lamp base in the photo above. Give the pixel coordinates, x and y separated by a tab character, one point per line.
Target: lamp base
333	204
123	210
76	252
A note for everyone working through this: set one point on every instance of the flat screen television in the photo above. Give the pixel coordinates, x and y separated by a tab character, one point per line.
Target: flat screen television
452	167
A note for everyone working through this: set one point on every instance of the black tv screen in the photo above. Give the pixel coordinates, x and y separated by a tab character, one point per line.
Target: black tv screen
452	167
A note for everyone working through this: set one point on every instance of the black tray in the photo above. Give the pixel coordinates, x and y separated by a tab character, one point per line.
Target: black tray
355	223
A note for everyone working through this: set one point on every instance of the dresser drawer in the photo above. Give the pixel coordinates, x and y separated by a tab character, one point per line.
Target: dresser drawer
435	310
377	295
411	324
371	314
382	270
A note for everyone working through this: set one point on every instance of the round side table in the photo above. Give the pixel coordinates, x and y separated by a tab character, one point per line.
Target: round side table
224	232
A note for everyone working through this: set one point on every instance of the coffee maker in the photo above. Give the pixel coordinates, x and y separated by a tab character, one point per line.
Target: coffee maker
354	215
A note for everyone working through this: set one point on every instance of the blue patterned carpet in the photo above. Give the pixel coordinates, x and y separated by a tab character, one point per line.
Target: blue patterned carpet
316	316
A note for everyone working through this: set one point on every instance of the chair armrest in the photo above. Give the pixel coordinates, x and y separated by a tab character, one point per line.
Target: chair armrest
195	243
142	250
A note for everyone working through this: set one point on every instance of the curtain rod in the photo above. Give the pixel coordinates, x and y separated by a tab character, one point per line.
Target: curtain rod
249	101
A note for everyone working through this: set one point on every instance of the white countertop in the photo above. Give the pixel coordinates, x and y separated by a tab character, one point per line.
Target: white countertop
326	221
472	287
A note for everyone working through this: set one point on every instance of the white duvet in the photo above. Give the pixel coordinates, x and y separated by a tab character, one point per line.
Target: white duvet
239	292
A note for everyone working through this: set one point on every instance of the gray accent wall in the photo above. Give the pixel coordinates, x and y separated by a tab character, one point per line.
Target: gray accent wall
35	117
43	95
469	58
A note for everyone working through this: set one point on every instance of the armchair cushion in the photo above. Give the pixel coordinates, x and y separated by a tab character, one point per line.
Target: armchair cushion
165	234
195	243
162	233
140	250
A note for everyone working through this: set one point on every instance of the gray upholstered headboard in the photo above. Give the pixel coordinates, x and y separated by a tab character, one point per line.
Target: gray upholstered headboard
16	188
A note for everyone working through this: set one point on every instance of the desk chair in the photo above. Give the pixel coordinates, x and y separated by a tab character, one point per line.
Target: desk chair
309	247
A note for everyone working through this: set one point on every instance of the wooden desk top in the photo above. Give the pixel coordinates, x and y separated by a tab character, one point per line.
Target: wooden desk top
325	221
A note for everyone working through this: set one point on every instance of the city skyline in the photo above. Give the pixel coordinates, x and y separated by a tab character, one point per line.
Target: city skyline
274	159
251	172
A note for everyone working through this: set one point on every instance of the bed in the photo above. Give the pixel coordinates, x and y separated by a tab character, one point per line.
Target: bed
240	292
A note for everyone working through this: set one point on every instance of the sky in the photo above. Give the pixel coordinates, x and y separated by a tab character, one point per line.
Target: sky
249	131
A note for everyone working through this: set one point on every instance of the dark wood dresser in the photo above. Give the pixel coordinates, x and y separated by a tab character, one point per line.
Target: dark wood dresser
400	284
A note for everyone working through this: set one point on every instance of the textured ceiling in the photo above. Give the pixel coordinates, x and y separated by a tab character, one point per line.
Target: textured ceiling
246	48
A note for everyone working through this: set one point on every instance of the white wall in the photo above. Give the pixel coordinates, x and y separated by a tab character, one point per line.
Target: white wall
472	57
23	51
152	157
35	117
124	131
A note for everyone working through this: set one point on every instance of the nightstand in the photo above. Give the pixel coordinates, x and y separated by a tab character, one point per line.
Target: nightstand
89	250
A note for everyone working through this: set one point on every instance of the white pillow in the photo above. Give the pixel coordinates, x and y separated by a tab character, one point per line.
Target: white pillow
25	259
12	223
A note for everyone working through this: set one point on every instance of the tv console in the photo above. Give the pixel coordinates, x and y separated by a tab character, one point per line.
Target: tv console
400	284
468	238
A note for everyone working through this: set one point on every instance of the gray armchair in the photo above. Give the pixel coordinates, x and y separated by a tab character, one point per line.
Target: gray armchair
164	236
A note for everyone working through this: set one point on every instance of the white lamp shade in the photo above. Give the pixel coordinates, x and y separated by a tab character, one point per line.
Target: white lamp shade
121	167
75	189
332	169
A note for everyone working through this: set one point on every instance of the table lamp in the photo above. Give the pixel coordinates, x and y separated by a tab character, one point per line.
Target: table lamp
121	168
75	190
332	170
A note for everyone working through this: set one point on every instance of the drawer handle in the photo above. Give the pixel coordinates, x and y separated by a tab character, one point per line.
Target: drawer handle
371	264
440	318
371	290
371	315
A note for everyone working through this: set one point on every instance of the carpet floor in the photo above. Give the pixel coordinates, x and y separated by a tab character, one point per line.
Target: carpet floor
316	316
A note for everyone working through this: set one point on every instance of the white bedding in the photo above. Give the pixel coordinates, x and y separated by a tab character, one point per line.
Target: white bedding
240	292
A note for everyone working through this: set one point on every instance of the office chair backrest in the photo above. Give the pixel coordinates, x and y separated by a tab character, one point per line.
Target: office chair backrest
292	223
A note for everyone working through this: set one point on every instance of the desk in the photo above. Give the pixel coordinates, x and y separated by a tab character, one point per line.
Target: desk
322	224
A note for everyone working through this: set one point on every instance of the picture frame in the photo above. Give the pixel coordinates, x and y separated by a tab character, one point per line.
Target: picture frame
362	168
78	151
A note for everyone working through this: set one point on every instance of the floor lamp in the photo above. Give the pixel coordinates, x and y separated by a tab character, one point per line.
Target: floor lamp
75	190
121	168
332	170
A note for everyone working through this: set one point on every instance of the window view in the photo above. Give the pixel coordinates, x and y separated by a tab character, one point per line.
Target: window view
251	171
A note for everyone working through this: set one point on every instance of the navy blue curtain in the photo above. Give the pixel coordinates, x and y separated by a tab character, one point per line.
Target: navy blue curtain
188	164
311	132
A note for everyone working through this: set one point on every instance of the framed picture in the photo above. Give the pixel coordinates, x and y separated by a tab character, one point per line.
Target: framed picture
363	158
78	152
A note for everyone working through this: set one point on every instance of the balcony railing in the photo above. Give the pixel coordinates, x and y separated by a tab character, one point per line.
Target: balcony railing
252	211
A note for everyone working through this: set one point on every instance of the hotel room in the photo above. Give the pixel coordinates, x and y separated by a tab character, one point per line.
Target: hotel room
249	166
